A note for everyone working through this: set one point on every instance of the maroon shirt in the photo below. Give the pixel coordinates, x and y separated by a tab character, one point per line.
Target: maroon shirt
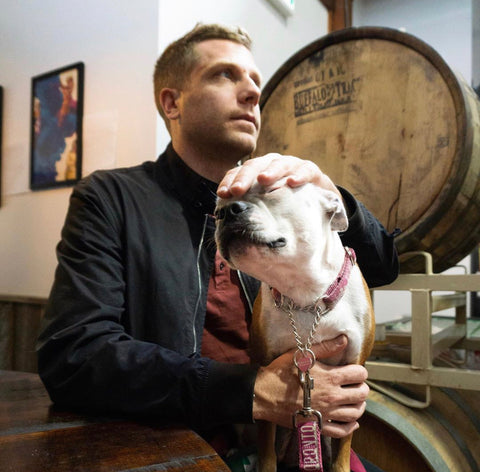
225	334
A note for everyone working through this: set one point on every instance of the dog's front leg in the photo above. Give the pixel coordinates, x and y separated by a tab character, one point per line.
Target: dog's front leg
267	457
341	462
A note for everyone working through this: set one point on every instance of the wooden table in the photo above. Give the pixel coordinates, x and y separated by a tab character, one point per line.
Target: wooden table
35	436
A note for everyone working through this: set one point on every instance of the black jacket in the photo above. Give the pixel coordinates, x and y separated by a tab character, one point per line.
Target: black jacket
123	326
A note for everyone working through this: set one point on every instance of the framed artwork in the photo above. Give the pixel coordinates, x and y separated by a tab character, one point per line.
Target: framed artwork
1	122
56	127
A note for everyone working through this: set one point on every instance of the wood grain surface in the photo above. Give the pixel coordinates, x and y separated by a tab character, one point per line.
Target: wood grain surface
35	436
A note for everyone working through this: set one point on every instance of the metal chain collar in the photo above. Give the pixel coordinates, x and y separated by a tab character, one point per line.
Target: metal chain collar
287	305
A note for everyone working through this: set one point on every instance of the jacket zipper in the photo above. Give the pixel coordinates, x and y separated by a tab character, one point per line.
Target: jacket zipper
200	285
245	291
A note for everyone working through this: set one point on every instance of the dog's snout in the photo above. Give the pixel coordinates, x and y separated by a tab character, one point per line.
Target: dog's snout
237	207
232	210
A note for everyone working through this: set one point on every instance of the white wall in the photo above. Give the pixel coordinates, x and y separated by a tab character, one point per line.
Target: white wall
446	25
118	40
476	44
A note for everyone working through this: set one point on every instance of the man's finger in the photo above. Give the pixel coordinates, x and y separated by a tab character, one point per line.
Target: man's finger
330	347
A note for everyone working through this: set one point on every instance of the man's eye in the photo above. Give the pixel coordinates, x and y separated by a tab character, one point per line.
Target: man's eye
226	73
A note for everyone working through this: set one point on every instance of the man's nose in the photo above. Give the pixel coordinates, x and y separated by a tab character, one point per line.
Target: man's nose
250	92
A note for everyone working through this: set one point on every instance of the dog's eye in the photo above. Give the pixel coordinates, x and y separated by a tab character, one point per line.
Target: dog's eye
274	189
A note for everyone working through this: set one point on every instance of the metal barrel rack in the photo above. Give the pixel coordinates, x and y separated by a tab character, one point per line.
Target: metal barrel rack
426	346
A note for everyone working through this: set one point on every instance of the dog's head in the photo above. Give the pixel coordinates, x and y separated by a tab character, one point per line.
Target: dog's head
276	225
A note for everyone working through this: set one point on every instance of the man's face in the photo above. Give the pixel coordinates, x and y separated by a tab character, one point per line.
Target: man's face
219	104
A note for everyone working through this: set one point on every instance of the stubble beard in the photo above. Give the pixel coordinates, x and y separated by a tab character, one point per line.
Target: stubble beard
227	150
225	157
218	149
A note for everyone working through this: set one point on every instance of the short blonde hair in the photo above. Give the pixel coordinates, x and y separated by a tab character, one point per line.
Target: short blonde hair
176	63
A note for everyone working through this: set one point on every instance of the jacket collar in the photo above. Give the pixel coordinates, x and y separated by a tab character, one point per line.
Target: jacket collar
192	189
196	193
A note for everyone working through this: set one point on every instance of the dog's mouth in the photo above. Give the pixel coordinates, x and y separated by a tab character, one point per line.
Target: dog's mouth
236	242
238	230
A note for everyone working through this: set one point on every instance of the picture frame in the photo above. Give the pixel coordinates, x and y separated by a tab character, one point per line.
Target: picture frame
1	125
56	127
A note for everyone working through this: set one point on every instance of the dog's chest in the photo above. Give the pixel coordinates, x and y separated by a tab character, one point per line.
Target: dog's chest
275	326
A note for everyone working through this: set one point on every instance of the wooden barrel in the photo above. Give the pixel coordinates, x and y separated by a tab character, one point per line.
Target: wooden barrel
384	116
445	437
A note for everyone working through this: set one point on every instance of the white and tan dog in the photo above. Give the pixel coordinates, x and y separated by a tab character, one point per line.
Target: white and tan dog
287	238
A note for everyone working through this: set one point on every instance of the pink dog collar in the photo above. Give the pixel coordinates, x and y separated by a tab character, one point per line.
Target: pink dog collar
337	288
331	297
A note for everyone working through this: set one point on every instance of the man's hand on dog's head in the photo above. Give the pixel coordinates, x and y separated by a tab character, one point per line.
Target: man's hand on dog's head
269	169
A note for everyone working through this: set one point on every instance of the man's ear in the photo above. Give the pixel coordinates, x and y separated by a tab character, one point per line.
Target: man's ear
335	210
169	98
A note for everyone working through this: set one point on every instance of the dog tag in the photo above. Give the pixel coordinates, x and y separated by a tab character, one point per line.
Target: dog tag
304	360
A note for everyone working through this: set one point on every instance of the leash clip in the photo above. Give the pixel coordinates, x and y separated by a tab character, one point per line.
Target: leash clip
306	413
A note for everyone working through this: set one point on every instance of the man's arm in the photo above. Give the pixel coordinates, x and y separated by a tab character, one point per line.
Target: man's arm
374	246
88	359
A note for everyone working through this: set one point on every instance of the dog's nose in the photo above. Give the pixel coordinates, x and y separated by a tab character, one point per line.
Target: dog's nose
232	210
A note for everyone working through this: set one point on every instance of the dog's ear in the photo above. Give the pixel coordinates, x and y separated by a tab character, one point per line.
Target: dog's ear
335	209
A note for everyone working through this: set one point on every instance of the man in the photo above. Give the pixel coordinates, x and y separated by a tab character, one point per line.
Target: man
143	316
